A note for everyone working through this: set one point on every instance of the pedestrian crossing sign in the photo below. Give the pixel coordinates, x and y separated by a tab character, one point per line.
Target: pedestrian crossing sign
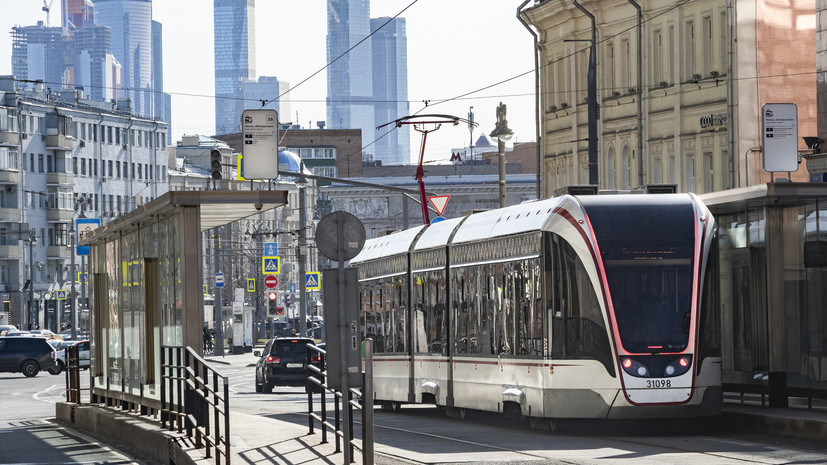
313	280
61	295
251	285
270	265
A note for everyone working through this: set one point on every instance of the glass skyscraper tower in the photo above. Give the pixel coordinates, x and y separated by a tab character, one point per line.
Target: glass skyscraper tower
350	79
390	89
235	62
131	23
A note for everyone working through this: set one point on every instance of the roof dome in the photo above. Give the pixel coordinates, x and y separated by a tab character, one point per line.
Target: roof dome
292	162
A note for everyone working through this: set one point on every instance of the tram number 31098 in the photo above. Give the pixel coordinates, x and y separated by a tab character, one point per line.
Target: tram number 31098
658	383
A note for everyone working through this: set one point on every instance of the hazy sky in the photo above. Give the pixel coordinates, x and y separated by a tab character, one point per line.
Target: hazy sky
454	47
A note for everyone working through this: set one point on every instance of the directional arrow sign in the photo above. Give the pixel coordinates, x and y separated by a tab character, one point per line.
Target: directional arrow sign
439	202
271	249
270	265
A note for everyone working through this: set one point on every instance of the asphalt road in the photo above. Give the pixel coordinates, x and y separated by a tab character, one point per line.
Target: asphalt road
29	434
423	434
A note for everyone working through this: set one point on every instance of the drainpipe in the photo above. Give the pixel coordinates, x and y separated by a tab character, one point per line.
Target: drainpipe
592	96
537	133
730	110
640	164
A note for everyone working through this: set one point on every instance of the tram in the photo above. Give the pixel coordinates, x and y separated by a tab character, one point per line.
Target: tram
570	307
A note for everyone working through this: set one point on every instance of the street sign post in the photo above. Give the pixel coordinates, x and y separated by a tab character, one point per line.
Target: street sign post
780	137
271	281
251	285
260	133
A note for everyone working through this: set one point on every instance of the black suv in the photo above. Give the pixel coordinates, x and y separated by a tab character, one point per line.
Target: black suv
282	363
27	355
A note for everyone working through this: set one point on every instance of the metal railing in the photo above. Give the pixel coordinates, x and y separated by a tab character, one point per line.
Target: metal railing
195	399
317	384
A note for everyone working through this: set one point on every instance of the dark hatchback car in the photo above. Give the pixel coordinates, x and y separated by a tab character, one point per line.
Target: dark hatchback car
27	355
282	363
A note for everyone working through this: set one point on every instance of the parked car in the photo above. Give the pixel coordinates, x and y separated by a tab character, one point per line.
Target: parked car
282	363
60	355
46	333
27	355
17	332
6	328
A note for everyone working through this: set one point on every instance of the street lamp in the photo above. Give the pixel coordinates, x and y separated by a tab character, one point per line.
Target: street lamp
503	134
32	239
73	302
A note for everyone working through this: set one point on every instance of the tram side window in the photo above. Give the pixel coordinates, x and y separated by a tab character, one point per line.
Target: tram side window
429	295
398	313
578	329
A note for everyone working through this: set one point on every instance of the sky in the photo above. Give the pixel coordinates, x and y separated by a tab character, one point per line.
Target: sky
455	47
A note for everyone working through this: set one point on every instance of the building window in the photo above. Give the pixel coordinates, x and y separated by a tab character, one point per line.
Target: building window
626	167
117	169
83	131
708	172
40	165
117	136
657	170
690	173
610	169
109	164
83	166
140	171
610	68
670	51
722	43
626	65
671	172
689	53
31	163
708	56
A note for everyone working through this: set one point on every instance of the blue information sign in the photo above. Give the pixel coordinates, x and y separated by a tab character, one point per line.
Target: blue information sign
271	249
83	226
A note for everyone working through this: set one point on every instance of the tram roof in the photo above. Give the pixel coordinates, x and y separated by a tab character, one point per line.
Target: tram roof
437	234
528	216
392	244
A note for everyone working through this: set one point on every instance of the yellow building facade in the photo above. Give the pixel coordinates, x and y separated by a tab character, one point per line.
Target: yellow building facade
707	66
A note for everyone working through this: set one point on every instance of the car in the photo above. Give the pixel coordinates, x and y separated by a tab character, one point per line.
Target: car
5	328
281	329
282	363
60	355
46	333
18	333
27	355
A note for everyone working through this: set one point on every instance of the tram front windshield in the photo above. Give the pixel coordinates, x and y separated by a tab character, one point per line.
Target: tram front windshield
647	254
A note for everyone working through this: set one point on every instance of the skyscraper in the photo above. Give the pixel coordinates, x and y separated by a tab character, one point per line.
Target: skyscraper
77	14
235	62
131	23
349	78
161	100
390	89
94	66
37	53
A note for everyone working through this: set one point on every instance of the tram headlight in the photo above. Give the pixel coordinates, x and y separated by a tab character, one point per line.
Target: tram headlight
656	366
679	366
634	367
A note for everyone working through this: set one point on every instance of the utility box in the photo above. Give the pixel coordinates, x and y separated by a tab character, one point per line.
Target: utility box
342	322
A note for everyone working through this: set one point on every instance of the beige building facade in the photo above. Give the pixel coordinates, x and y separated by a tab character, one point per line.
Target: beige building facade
695	57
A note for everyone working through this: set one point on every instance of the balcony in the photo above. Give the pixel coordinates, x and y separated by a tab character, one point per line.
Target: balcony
59	142
9	139
10	252
58	251
10	215
53	179
53	215
9	177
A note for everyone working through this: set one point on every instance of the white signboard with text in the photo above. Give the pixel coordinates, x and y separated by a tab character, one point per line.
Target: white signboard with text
260	144
780	121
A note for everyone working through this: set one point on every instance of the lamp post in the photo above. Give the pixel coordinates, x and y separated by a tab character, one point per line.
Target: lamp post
72	300
503	134
31	240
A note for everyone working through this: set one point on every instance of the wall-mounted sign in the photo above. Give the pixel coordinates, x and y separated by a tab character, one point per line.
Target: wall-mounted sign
719	119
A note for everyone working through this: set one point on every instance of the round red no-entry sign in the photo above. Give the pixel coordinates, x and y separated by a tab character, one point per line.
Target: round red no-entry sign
270	281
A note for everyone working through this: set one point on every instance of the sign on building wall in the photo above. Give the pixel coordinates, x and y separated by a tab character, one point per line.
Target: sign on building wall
780	122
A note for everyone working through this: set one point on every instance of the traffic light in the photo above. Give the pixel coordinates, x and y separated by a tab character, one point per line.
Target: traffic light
271	304
215	163
279	310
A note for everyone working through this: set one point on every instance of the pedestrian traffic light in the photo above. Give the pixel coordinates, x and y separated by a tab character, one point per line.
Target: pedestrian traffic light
279	310
215	163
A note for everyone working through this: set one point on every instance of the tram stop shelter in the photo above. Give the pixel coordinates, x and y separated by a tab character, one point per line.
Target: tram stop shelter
770	282
146	285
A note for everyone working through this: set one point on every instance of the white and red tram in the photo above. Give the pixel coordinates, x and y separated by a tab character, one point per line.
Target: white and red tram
570	307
